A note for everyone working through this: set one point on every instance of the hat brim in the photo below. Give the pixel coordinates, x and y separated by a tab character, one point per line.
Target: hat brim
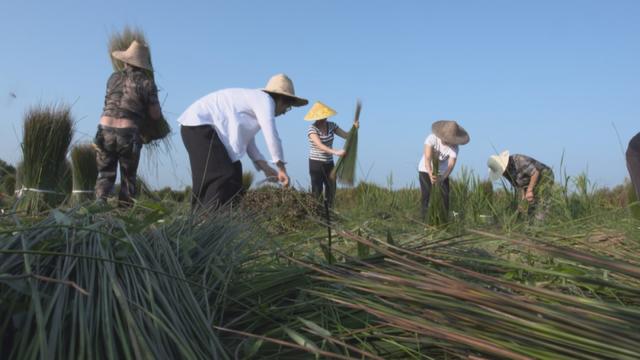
295	101
461	139
119	55
501	160
317	118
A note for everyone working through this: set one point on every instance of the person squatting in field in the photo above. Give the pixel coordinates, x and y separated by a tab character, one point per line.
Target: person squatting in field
219	128
321	134
444	141
131	98
533	178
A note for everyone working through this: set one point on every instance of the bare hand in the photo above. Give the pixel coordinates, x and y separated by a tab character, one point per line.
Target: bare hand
529	196
340	153
283	178
356	124
434	178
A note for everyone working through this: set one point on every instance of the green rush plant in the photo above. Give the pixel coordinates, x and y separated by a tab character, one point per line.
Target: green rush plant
44	170
437	211
85	172
345	169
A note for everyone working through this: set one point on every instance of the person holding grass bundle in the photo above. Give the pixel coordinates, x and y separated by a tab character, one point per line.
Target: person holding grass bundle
443	142
321	134
533	178
132	98
218	129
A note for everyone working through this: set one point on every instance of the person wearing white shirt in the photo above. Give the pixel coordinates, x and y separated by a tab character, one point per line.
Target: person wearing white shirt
444	142
220	128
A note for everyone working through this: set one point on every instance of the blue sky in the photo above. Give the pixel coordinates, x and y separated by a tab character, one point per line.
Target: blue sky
541	78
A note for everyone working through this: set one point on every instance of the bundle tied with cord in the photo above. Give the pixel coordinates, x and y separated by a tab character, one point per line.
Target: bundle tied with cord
152	132
85	172
44	171
345	170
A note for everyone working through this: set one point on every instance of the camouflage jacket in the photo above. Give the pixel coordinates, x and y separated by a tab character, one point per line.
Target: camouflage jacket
521	168
130	94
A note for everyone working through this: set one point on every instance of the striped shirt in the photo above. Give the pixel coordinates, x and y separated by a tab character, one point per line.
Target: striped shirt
326	139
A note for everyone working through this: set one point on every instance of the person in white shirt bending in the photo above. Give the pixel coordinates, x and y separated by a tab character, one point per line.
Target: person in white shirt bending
445	139
218	129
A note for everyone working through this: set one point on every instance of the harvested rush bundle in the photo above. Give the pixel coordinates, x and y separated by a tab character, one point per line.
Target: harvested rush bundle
345	170
48	130
151	132
7	178
437	211
85	172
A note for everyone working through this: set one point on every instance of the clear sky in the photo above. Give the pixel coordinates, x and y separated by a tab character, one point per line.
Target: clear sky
542	77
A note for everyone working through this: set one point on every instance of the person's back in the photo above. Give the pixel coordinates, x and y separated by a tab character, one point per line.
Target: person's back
129	95
219	128
223	104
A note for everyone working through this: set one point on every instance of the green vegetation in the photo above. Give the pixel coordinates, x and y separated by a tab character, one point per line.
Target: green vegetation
85	172
345	169
261	281
437	210
44	172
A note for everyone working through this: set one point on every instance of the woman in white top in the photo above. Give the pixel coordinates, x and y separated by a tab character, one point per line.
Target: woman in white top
321	135
444	141
218	129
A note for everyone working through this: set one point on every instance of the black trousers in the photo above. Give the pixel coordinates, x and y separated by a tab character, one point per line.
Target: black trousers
321	181
117	146
216	180
633	162
425	189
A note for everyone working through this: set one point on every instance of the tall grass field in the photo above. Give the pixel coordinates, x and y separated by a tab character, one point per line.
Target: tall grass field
260	281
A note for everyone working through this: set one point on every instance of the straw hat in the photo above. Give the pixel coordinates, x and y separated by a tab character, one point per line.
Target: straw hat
497	165
450	132
319	111
137	55
280	84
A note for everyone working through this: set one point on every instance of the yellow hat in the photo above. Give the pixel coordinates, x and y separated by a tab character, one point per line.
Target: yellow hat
319	111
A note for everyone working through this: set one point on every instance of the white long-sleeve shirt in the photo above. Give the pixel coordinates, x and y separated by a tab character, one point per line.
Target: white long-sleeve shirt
237	115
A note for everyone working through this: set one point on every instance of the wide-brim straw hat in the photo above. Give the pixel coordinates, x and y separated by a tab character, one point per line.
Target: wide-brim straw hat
319	111
280	84
137	55
450	132
497	165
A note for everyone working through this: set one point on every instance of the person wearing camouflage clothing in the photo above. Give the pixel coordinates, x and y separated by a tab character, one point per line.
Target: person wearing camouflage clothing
533	178
131	98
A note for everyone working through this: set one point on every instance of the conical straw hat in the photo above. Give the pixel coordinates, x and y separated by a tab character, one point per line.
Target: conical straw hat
497	165
319	111
137	55
280	84
450	132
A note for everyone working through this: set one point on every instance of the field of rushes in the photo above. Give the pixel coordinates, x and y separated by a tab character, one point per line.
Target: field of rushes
155	282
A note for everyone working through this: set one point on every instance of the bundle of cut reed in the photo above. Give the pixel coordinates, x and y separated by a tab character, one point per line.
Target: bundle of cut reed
85	172
48	130
151	132
7	178
437	211
345	170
